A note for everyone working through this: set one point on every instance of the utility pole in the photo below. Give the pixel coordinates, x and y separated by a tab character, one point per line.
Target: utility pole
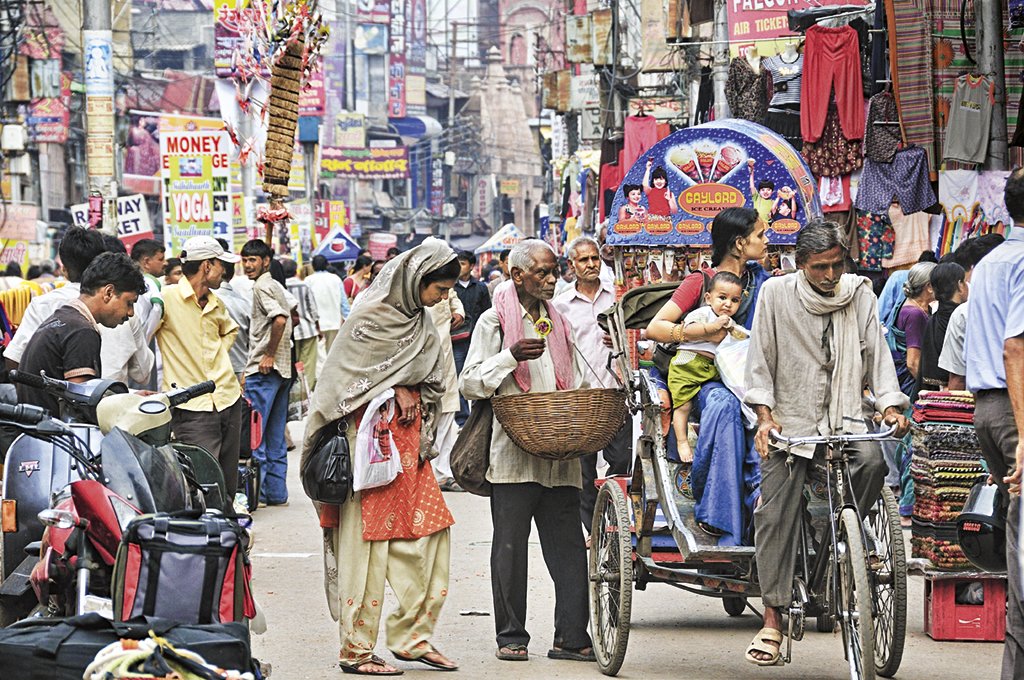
989	27
350	104
720	59
451	70
98	58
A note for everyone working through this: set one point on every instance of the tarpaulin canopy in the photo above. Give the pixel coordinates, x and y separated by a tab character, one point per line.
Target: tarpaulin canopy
338	246
503	239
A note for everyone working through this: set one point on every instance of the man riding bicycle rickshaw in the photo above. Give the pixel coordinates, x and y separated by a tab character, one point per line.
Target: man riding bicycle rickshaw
816	344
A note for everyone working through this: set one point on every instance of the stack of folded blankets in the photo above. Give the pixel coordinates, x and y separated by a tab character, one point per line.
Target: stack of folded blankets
945	465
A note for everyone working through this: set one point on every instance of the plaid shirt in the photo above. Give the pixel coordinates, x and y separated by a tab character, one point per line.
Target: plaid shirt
309	315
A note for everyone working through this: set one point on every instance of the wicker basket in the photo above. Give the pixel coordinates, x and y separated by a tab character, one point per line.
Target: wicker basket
562	425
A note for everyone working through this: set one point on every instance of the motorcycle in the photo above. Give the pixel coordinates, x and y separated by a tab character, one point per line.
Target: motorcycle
129	470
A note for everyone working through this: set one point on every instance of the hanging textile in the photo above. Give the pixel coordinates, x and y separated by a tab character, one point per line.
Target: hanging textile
910	53
906	178
833	155
745	91
882	135
831	64
834	193
705	98
641	133
875	240
970	119
911	237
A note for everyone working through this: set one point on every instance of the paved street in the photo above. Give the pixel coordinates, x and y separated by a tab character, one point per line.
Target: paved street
673	635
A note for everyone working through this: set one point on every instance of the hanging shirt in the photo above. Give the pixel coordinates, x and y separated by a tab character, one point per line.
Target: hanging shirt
786	78
745	91
970	117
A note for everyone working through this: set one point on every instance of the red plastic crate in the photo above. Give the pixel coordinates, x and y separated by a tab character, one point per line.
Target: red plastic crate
944	619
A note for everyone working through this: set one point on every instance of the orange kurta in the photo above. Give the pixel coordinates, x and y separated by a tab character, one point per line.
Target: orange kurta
412	506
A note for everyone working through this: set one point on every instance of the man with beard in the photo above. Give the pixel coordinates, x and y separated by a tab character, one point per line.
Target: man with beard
195	337
815	344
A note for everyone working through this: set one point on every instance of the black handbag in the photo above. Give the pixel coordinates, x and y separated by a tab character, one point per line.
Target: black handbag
327	474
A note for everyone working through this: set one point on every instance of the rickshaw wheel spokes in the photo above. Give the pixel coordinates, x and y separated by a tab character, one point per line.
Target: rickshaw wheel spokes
889	584
855	599
611	577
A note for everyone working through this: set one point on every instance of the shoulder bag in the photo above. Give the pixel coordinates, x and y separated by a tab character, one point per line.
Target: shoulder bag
327	475
471	454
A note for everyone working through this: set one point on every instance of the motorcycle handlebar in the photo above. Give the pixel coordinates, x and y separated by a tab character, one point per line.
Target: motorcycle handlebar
179	397
25	414
40	382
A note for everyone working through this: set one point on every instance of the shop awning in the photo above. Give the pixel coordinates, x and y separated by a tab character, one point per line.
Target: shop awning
338	246
415	128
504	239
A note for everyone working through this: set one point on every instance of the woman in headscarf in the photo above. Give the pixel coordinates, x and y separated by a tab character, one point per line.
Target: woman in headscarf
397	532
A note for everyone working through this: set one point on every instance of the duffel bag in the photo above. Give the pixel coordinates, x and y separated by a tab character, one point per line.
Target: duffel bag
187	567
61	649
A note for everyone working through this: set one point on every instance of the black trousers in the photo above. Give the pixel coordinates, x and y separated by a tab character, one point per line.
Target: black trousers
217	432
619	456
556	513
997	434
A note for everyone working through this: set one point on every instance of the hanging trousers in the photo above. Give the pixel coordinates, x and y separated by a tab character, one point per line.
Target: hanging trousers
831	60
556	511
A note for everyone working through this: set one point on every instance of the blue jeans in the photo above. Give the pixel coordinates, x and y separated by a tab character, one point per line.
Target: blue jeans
269	395
459	351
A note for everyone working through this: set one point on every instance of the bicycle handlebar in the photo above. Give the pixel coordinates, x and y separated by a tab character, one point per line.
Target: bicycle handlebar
776	437
25	414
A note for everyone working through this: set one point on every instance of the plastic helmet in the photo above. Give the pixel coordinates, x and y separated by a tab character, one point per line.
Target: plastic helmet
981	528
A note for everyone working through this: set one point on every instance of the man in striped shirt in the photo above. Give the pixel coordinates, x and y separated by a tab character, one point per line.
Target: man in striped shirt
307	331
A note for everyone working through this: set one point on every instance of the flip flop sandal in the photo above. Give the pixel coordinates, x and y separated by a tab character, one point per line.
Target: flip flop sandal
375	660
571	655
511	655
424	660
760	644
710	530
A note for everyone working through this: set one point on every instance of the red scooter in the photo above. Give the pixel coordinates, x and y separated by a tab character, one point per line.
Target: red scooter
133	472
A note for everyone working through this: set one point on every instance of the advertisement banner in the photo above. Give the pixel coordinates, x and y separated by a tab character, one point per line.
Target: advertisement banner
764	20
99	154
20	223
372	163
601	36
585	92
675	189
662	108
416	58
350	130
98	47
311	98
49	117
132	218
334	84
396	85
196	185
12	250
374	11
578	39
232	19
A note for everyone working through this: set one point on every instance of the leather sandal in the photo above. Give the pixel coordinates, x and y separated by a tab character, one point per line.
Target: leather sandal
760	644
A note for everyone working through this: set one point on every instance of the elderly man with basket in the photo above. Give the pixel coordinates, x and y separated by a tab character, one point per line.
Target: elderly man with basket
524	345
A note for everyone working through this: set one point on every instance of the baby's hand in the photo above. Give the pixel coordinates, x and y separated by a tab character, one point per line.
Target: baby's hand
724	322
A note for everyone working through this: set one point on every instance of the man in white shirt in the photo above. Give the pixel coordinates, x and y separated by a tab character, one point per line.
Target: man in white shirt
328	292
124	350
580	304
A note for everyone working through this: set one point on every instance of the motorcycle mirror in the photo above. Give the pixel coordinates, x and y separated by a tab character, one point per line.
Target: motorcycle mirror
61	519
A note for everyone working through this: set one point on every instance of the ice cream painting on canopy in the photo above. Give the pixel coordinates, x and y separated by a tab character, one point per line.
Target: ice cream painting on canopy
674	190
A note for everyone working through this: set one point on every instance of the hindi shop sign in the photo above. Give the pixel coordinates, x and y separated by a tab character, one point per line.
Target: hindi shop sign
371	163
196	192
132	218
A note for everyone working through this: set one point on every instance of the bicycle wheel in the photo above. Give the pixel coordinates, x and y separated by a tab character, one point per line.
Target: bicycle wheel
611	577
855	601
889	582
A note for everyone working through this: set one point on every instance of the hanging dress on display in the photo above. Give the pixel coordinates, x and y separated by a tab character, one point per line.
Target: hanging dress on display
784	108
745	91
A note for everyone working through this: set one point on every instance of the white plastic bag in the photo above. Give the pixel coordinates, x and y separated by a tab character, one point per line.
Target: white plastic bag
731	361
375	461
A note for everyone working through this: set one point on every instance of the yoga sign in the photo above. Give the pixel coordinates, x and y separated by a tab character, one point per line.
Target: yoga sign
674	191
